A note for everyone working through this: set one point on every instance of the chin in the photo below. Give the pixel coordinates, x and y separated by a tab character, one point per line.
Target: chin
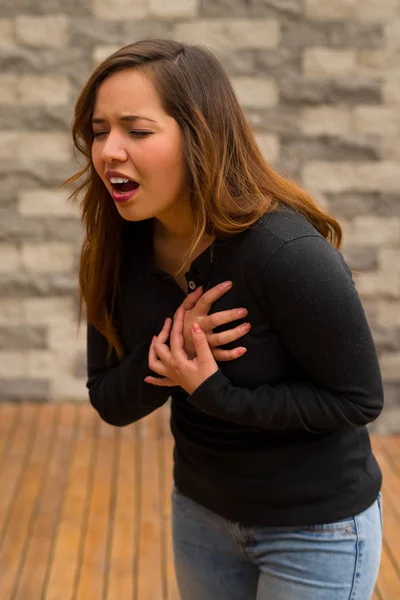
130	213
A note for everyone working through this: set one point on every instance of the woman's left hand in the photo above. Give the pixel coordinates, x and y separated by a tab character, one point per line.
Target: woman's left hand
173	364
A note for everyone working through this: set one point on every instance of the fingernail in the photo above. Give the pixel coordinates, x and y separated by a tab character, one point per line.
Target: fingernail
246	326
227	284
241	351
242	312
196	327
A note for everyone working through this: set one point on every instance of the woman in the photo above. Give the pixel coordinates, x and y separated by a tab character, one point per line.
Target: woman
192	243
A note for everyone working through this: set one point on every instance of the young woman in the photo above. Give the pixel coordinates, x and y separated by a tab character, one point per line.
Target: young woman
209	278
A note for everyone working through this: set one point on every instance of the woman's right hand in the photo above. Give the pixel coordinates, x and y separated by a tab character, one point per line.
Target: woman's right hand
197	306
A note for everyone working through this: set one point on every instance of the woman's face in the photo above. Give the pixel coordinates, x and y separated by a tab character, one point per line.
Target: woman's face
136	140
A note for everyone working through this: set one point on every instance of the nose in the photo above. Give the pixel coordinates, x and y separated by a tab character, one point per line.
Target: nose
113	149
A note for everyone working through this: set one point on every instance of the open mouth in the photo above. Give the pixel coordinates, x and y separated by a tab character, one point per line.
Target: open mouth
123	185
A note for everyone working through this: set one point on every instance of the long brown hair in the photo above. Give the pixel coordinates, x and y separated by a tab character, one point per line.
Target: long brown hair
231	184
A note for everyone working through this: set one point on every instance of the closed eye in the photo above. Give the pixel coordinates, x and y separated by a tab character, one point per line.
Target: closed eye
137	133
134	132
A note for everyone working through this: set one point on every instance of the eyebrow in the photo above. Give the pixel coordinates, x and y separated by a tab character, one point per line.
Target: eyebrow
127	118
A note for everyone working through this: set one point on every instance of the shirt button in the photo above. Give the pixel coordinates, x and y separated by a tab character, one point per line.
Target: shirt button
192	285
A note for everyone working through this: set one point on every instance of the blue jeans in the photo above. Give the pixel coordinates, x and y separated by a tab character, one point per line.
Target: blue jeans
216	559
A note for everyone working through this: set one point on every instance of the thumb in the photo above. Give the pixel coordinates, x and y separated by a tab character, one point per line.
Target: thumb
200	342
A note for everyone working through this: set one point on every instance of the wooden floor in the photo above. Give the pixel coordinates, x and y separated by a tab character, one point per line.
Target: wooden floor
85	507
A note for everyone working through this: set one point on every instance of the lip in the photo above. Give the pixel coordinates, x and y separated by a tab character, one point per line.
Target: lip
121	197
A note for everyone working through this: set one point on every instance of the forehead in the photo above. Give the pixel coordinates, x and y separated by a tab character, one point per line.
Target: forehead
128	91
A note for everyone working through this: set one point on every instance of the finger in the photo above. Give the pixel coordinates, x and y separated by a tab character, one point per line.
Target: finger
221	318
164	333
208	298
155	363
164	382
225	337
192	298
203	351
176	338
226	355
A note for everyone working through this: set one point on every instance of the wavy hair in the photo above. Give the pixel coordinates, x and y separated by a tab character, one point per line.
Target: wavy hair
231	185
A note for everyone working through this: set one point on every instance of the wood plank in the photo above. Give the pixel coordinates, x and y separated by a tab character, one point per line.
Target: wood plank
47	511
168	447
389	574
122	582
9	417
92	569
12	469
67	551
22	513
151	584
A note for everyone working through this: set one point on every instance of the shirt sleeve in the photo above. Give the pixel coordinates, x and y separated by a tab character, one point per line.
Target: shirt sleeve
116	388
312	301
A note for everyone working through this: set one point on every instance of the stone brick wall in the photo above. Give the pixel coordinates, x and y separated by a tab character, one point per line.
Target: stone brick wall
320	84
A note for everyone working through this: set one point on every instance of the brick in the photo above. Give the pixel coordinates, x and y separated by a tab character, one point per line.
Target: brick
80	368
389	259
378	63
387	205
371	10
386	339
354	147
381	120
50	310
258	8
35	146
392	34
9	258
370	230
49	30
347	176
389	420
378	284
324	63
173	9
269	146
238	63
388	313
102	52
27	284
22	337
11	311
319	120
299	34
390	366
65	388
337	10
15	228
352	204
361	258
8	89
43	89
45	202
390	149
120	10
24	390
295	89
7	32
232	34
47	257
391	93
255	92
35	364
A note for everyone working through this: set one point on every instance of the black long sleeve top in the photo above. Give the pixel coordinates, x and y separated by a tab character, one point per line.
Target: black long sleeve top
278	436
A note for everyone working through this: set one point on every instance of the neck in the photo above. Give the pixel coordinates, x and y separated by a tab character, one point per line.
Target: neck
176	225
